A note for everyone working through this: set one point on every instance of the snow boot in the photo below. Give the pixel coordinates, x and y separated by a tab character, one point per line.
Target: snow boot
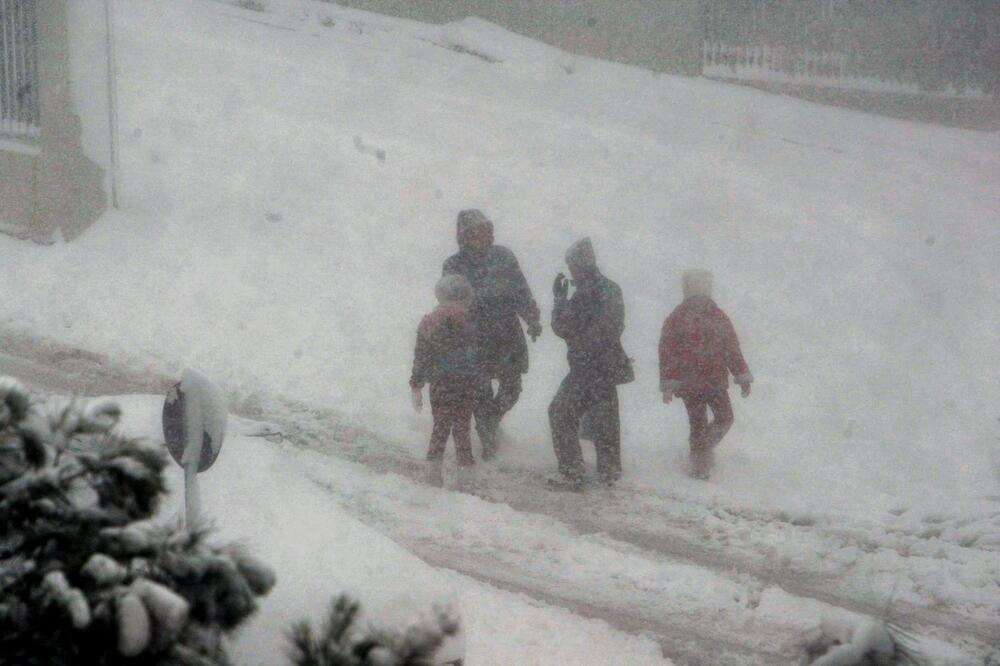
564	482
608	480
701	464
466	478
489	450
434	473
501	440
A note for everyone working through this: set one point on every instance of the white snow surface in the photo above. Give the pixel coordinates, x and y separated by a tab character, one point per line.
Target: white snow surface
263	240
261	494
856	254
297	510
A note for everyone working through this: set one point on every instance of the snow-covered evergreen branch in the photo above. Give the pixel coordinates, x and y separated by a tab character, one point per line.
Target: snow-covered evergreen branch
85	575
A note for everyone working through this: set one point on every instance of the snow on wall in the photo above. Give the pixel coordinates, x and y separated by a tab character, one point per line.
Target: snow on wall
89	71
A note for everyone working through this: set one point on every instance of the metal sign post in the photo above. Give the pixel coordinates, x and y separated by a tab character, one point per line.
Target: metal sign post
194	425
109	19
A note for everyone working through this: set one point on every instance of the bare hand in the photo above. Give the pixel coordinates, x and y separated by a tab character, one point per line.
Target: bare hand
745	390
417	398
668	396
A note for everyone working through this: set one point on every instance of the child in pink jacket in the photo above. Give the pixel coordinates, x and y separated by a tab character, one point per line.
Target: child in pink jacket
699	349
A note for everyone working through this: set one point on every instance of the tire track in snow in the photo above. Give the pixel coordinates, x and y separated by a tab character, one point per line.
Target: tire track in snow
682	636
56	367
682	536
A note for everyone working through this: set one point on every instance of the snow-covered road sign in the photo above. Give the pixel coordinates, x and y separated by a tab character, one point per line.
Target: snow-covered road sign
194	425
194	420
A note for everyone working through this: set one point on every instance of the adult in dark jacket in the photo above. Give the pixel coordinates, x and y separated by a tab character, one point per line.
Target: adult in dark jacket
501	296
591	323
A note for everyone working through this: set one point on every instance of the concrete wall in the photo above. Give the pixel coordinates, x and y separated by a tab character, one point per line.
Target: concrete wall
663	35
54	185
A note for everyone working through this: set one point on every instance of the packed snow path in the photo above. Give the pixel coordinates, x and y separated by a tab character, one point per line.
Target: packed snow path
935	574
742	586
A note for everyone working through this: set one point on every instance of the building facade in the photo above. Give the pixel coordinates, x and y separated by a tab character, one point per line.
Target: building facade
55	133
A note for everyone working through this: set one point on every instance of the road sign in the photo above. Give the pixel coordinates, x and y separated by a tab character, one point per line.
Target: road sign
194	425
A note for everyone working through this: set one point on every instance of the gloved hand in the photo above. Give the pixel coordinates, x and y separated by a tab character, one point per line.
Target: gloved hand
417	398
534	330
560	289
744	382
669	387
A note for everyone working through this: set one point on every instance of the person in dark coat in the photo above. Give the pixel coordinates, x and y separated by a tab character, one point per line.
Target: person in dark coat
501	298
445	358
699	349
591	323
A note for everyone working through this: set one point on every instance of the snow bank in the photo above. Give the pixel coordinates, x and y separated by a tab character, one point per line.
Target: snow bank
492	43
855	254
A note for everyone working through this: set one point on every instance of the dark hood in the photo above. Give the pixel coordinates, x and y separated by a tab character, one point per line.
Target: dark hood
472	222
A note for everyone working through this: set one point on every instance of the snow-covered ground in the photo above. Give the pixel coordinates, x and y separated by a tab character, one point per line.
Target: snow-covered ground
710	582
290	183
297	510
856	254
259	493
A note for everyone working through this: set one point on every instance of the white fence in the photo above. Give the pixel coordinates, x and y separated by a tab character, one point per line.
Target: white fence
781	65
19	108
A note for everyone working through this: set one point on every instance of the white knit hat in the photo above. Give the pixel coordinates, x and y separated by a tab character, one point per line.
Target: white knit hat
697	282
453	288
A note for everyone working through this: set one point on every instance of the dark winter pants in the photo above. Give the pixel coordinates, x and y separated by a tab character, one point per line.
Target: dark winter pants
600	402
451	407
489	408
704	435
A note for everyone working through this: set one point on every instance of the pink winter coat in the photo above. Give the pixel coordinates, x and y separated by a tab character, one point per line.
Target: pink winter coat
699	348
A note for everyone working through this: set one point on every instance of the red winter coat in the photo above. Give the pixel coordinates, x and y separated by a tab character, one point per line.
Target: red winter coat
446	346
699	348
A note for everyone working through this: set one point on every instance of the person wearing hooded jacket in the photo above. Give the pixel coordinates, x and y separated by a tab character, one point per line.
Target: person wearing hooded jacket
591	323
698	351
445	358
501	297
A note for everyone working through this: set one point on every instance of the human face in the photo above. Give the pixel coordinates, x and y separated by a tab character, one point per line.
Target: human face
476	239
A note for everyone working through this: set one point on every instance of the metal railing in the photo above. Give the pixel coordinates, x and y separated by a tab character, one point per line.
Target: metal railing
803	67
19	85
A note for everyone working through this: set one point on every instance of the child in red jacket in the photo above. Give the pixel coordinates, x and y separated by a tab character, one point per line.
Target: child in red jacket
445	357
698	351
